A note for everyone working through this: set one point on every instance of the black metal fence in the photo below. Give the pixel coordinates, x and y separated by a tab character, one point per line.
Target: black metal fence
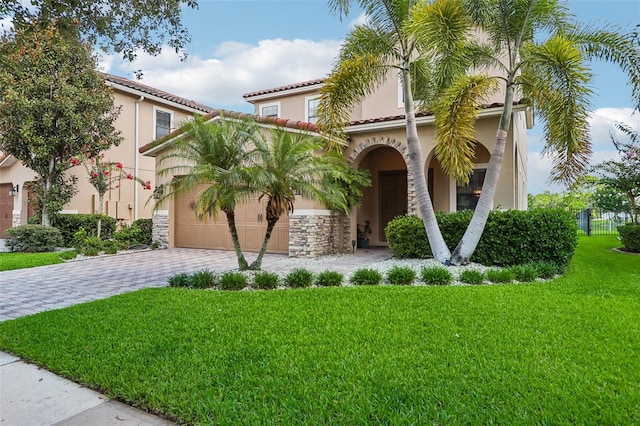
595	222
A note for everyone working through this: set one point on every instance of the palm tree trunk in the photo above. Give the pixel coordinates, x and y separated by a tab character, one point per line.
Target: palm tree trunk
231	222
471	237
438	246
272	219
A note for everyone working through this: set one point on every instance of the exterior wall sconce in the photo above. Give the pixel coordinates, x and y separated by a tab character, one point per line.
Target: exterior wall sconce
158	192
477	192
13	191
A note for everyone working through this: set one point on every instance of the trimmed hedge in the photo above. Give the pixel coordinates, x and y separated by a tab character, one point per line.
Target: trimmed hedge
33	238
146	228
630	237
511	237
69	224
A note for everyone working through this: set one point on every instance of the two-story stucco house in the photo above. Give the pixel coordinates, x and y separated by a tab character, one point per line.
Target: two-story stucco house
377	142
146	114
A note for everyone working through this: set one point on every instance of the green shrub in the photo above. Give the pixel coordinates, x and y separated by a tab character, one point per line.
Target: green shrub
630	237
511	237
111	247
401	275
500	275
68	254
407	237
33	238
436	275
202	279
180	280
299	278
233	281
329	279
366	276
128	235
266	280
146	230
69	224
90	246
524	273
470	276
546	270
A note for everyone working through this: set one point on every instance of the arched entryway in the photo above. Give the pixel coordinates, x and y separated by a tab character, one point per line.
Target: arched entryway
391	190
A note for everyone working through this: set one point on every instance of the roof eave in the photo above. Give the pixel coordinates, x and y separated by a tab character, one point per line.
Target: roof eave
422	120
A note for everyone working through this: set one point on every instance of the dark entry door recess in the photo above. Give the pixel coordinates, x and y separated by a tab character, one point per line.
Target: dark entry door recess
393	198
6	209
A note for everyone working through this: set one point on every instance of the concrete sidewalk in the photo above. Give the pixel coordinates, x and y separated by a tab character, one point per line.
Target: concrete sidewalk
33	396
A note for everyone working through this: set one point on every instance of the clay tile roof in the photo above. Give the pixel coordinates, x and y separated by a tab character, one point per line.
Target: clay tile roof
157	92
418	114
282	122
284	88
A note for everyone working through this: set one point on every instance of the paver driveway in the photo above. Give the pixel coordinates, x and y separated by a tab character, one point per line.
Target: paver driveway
31	290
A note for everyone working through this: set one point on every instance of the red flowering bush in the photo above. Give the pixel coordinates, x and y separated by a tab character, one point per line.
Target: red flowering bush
104	175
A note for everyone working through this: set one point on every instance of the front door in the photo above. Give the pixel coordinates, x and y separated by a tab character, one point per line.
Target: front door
6	209
393	198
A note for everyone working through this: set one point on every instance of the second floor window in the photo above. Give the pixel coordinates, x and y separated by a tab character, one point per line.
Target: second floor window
312	110
163	123
269	111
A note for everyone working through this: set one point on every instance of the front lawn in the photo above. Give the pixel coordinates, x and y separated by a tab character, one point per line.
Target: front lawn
10	261
561	352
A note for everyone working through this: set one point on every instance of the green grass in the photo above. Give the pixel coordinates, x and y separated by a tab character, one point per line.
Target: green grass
10	261
561	352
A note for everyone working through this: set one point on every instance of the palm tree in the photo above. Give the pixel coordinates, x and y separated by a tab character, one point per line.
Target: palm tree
371	54
289	165
217	154
550	75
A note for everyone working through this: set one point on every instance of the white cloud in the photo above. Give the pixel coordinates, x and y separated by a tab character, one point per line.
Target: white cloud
361	19
601	122
236	68
105	62
6	25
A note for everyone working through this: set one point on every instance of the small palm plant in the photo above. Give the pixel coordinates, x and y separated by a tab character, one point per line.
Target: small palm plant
218	155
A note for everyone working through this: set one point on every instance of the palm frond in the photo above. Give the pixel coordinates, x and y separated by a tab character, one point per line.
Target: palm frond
351	80
615	46
456	113
555	77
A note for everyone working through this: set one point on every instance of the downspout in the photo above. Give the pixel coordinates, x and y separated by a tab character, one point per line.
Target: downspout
136	166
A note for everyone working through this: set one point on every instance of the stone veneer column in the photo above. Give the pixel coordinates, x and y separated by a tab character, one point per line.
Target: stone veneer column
314	233
160	230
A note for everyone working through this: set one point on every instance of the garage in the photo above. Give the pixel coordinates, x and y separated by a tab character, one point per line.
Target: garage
190	232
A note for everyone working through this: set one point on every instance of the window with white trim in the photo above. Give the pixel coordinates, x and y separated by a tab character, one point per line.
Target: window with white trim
311	109
162	123
270	110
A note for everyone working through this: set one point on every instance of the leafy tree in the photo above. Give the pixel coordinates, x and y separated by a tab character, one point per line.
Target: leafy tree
53	105
289	165
120	25
372	53
609	199
215	154
551	73
623	176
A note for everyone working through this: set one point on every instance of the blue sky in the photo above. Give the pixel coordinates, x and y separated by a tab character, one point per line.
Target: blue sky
242	46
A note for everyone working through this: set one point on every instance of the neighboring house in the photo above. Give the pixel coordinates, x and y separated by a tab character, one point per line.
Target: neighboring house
377	142
146	114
